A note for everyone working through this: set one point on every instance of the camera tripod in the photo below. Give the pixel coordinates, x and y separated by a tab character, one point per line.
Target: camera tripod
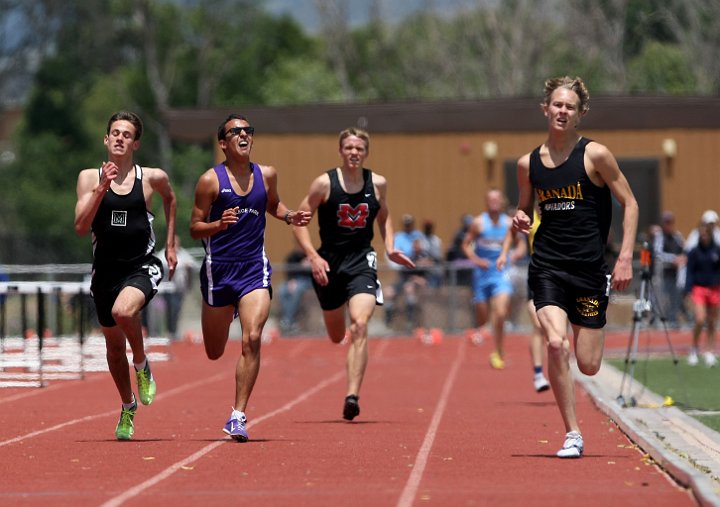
644	306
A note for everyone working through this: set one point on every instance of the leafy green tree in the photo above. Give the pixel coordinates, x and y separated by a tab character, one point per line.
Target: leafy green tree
152	55
143	56
53	141
300	80
695	24
661	69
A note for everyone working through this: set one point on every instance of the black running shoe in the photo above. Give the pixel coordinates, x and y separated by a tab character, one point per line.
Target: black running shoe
351	408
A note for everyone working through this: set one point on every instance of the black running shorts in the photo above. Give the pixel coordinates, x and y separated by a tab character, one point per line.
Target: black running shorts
350	273
584	295
108	281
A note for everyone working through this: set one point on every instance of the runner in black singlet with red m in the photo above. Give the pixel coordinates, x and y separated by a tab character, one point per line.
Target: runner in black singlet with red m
349	199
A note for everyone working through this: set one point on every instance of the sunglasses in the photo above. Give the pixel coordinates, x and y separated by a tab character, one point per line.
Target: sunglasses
236	130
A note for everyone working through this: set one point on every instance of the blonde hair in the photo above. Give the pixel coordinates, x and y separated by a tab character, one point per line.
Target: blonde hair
354	131
575	84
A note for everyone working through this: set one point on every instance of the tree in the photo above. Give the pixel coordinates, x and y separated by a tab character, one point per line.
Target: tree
301	80
91	58
696	26
53	142
27	30
338	44
661	69
142	56
597	32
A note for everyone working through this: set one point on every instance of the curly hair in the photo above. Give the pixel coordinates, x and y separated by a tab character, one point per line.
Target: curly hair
575	84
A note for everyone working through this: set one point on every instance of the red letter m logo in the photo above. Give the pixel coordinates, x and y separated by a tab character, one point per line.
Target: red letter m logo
353	218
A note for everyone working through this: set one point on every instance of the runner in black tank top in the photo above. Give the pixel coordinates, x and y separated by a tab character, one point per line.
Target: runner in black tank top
346	231
349	199
122	228
113	204
572	179
576	213
570	241
123	246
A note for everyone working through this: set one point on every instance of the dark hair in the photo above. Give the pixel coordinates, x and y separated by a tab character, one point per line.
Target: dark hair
221	127
354	131
127	116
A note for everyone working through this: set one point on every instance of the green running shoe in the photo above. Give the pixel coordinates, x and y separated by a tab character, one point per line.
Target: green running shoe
146	385
125	427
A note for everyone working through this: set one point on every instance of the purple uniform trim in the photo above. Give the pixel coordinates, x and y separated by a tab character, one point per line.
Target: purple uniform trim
245	239
235	262
224	283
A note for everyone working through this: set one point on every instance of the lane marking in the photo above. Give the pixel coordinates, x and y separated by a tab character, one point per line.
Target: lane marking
72	384
136	490
162	395
165	394
34	392
413	483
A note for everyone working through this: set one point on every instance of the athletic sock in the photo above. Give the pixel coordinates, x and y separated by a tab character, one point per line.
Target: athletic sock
128	406
140	366
537	370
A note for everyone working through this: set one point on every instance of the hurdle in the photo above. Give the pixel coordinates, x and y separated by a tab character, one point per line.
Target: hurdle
32	359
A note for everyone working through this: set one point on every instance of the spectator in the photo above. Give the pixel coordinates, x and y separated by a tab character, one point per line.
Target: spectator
461	266
709	217
411	242
298	281
184	273
405	238
703	286
433	249
668	261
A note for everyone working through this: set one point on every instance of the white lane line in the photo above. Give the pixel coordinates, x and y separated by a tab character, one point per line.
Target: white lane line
51	387
60	426
136	490
413	482
34	392
164	394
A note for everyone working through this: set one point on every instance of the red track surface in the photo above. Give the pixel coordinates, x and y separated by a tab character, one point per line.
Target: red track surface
438	427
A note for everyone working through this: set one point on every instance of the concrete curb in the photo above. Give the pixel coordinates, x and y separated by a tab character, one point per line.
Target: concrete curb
678	443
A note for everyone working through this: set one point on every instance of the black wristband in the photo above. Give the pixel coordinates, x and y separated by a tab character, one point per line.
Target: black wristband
287	217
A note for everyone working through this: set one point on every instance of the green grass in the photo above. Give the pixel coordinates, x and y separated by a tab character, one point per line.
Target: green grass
692	388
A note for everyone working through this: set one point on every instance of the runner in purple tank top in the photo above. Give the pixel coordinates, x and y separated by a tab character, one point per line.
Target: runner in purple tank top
231	200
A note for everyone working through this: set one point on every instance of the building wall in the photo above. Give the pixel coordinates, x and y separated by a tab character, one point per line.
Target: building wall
440	176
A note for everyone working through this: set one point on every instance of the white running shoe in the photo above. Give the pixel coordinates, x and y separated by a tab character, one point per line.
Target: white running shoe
540	382
710	359
692	358
573	446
